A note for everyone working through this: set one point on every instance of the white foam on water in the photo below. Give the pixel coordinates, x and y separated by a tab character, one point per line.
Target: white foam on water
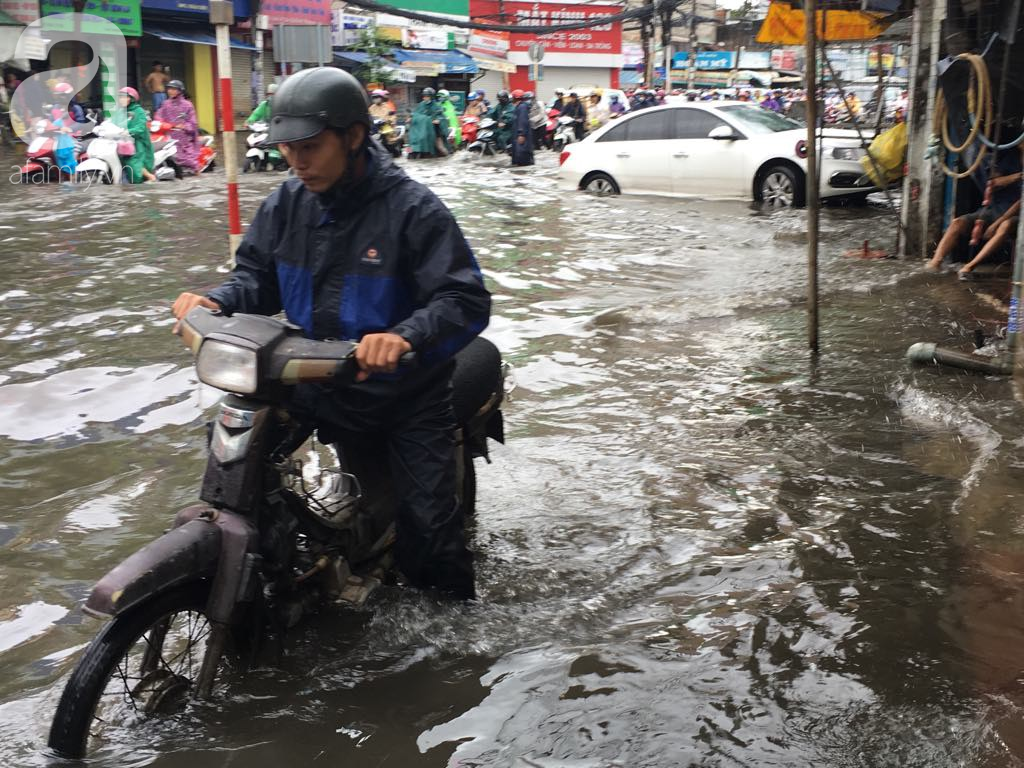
32	620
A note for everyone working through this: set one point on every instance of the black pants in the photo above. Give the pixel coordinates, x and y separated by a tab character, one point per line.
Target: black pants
413	437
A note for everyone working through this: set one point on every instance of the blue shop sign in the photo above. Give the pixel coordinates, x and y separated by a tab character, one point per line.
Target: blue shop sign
242	7
716	60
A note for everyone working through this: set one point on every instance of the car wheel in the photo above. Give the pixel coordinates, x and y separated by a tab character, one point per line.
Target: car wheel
778	188
600	185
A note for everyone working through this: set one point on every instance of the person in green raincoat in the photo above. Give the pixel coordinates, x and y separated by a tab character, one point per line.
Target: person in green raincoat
263	112
453	118
139	166
424	134
503	113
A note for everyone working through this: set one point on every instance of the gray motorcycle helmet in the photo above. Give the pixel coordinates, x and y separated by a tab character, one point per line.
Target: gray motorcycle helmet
428	92
176	84
315	99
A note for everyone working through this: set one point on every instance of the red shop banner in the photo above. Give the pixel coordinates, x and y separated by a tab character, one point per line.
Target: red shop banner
603	38
297	11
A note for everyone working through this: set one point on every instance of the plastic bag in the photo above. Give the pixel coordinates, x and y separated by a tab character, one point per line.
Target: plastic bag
889	149
126	147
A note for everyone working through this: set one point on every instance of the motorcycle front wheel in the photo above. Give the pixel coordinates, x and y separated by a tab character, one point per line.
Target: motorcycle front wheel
142	665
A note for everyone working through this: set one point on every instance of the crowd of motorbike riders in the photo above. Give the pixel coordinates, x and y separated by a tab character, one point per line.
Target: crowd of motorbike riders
517	122
61	131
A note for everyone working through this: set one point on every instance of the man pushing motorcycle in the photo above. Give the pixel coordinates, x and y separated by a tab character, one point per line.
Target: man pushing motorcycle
352	248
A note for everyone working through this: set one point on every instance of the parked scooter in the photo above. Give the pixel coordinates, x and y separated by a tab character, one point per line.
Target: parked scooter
485	143
262	156
565	133
266	546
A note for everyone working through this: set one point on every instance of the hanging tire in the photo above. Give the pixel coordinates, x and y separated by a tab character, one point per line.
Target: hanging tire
600	185
127	672
779	187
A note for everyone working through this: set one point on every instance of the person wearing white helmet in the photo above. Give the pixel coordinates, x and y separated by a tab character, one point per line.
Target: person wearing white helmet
444	98
380	107
263	111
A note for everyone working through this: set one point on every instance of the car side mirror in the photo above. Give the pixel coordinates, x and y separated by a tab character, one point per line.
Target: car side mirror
723	133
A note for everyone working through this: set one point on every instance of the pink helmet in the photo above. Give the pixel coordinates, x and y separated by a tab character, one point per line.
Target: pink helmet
130	92
63	88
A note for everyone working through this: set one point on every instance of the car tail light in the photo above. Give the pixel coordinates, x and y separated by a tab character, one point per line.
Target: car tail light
801	149
563	157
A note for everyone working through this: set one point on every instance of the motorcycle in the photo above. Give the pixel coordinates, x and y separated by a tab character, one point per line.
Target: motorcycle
165	149
391	136
100	160
273	538
565	133
470	124
549	129
207	154
41	164
261	156
485	143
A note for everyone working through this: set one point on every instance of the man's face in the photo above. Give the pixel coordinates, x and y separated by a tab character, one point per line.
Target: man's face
322	160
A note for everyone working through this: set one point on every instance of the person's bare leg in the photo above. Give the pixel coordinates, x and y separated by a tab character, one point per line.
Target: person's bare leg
1003	233
957	229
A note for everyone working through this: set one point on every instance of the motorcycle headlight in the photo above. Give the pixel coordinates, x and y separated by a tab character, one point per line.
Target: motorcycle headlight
848	153
227	366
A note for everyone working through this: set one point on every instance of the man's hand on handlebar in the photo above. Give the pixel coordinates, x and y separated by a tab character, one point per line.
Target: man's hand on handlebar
186	303
379	353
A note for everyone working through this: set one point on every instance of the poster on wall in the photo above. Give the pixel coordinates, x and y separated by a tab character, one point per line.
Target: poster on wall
124	14
599	39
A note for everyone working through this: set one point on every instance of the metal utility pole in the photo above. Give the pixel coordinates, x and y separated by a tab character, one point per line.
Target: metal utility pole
691	76
668	9
812	195
222	15
647	40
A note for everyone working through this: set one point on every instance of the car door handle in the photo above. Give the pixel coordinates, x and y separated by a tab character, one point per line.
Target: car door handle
623	154
680	154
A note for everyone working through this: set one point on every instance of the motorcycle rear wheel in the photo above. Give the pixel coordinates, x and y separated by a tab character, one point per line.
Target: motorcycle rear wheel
143	663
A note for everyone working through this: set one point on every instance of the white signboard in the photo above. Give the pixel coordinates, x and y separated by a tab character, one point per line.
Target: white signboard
347	28
432	38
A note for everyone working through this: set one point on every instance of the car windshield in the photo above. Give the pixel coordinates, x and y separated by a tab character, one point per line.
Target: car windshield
758	120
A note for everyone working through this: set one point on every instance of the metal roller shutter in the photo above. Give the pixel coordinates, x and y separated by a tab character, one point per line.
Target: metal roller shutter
241	81
492	82
568	77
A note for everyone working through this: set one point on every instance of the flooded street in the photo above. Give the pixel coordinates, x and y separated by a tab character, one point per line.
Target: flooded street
698	546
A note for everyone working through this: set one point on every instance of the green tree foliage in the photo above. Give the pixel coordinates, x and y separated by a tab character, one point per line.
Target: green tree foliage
376	69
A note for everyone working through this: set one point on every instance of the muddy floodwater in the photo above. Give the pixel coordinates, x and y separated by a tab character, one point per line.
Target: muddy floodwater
698	546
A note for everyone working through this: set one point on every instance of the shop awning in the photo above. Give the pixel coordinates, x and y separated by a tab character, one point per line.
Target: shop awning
491	62
353	58
185	34
446	62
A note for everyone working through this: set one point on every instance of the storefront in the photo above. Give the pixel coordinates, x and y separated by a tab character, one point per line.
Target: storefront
178	34
585	57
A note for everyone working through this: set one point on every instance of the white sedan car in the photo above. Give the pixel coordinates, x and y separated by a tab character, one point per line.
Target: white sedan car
720	149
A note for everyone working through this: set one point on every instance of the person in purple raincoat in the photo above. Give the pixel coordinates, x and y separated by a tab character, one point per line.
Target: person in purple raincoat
178	112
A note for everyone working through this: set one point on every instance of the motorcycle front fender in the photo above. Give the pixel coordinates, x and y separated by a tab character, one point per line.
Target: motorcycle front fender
187	553
255	152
